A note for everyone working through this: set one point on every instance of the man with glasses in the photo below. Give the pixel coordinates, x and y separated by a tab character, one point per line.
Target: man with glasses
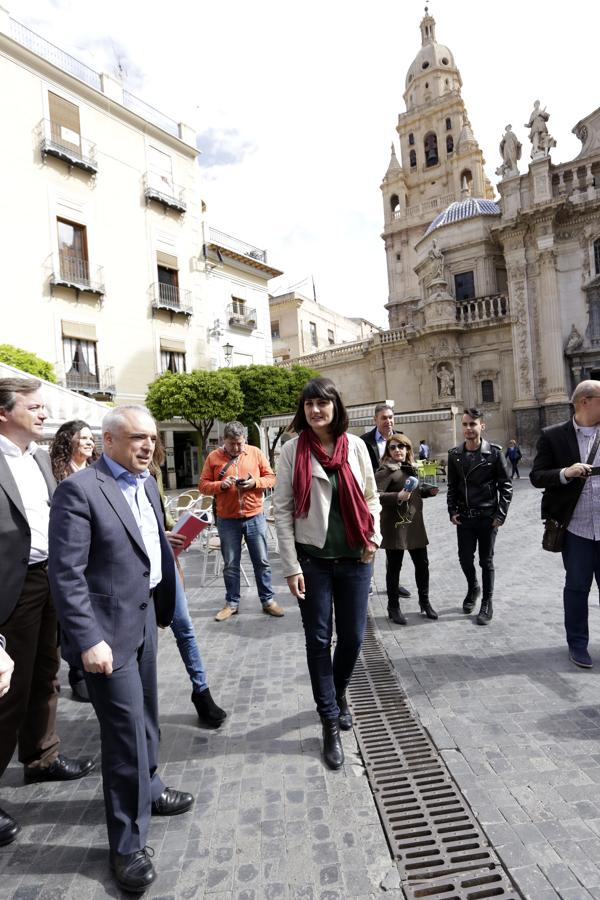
479	494
565	465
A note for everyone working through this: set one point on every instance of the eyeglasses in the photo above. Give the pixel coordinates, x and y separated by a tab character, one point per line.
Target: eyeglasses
397	446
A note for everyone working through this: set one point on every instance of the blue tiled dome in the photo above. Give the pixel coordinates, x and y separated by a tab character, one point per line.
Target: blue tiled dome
464	209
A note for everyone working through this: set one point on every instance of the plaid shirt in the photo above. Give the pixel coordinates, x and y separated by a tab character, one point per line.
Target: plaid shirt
585	521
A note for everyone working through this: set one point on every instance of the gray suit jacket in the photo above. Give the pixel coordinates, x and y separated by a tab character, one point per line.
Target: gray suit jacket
15	534
98	566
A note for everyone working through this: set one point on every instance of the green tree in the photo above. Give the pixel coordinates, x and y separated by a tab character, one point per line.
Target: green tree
270	391
27	362
198	397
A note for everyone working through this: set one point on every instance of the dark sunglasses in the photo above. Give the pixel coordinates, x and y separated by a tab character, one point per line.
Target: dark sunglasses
397	446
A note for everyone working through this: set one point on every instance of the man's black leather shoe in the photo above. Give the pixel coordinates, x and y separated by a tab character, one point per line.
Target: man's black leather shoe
580	658
471	599
404	592
484	616
62	769
333	752
134	871
345	716
171	803
9	828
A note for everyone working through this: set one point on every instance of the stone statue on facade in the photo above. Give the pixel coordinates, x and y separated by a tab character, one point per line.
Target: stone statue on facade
574	341
437	261
445	374
510	151
541	140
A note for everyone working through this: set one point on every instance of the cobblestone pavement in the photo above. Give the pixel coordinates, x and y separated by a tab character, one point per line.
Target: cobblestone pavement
517	724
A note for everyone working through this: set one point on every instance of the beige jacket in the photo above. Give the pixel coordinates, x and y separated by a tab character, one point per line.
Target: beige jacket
313	529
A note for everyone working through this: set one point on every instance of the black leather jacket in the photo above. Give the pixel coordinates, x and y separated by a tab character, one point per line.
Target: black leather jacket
487	486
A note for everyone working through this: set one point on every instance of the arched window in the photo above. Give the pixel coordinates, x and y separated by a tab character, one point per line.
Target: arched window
449	144
466	180
487	390
411	139
395	203
448	124
597	256
431	149
413	159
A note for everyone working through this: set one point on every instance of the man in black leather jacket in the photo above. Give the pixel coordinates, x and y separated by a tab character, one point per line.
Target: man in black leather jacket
479	494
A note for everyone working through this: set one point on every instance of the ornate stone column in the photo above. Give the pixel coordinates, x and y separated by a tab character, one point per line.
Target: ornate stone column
552	361
514	249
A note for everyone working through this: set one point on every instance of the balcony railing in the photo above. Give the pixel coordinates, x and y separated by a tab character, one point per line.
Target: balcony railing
171	297
163	191
150	113
76	272
60	142
239	317
482	309
101	382
241	247
41	47
578	183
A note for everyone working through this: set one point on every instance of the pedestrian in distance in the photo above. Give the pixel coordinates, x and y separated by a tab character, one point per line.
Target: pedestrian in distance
423	449
567	467
237	475
327	520
479	495
73	449
402	525
514	455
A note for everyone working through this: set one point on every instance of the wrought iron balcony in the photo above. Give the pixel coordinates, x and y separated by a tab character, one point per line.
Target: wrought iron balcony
241	247
162	190
60	142
101	382
240	317
76	272
172	298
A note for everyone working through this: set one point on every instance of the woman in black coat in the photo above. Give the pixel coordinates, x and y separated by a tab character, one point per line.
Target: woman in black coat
402	525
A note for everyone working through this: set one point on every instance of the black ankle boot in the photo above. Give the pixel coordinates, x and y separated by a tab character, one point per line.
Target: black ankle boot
427	609
208	712
484	616
396	615
471	599
345	717
332	745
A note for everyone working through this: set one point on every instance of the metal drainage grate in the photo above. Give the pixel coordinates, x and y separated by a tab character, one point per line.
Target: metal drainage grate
438	845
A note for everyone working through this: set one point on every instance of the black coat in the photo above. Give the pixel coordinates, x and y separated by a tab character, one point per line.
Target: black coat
369	439
557	448
390	478
486	487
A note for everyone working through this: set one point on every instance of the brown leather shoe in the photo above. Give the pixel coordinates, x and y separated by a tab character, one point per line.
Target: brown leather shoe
272	608
226	613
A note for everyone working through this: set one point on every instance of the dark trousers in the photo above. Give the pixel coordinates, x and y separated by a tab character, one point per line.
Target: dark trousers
28	710
472	534
581	559
394	560
126	704
515	469
340	585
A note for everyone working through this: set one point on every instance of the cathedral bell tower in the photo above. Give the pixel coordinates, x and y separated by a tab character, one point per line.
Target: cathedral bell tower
440	162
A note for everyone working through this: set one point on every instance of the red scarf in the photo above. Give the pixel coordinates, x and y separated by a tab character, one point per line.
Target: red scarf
358	521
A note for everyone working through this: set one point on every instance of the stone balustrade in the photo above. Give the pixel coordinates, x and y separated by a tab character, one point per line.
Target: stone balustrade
482	310
427	206
578	183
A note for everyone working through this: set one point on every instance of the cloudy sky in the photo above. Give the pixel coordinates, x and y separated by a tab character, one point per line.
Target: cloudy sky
295	105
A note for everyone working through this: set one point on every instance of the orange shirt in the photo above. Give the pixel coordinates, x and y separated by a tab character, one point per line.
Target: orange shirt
233	503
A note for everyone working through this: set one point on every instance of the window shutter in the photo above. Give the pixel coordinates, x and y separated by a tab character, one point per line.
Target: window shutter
64	118
166	260
81	330
172	345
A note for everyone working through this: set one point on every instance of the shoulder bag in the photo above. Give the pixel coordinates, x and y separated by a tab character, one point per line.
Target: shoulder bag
553	538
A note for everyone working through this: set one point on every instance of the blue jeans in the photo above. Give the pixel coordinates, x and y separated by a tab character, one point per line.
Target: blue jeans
254	531
183	629
581	559
341	585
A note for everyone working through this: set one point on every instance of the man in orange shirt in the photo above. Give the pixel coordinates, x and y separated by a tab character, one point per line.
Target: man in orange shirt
237	474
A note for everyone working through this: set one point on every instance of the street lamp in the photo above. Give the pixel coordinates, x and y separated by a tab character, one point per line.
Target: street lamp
228	351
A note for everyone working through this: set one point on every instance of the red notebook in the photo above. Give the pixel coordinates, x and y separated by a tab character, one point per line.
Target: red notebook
190	525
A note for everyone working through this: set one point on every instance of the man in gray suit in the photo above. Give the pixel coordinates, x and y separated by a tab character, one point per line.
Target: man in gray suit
27	617
113	578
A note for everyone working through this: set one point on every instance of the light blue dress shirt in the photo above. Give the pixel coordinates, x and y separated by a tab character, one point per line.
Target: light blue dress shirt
134	491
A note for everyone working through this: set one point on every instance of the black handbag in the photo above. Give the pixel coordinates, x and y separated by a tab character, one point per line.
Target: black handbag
553	538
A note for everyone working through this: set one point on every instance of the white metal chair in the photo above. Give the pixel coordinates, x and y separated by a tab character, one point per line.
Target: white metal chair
270	520
210	544
182	503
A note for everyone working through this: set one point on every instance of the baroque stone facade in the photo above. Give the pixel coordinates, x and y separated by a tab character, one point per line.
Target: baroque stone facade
492	303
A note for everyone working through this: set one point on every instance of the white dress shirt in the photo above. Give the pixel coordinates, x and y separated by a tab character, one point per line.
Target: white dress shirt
33	489
585	521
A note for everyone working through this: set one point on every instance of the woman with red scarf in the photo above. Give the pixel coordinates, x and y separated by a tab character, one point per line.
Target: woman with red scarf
327	519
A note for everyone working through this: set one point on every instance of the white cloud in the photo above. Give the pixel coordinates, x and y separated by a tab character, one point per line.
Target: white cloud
298	104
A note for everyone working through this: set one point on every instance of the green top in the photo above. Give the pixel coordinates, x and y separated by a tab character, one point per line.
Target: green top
336	545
